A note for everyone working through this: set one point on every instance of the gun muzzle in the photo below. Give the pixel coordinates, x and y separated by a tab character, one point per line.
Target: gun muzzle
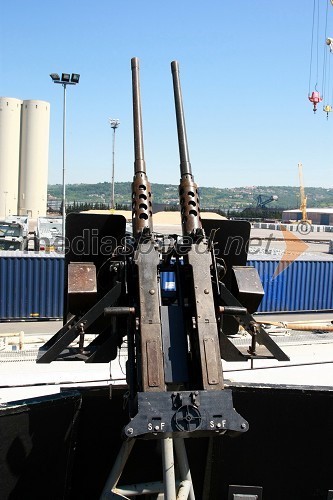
141	191
188	189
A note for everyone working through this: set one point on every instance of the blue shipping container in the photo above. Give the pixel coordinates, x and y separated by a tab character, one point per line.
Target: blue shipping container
31	285
302	286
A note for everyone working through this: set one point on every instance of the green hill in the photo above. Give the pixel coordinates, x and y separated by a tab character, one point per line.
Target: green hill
210	197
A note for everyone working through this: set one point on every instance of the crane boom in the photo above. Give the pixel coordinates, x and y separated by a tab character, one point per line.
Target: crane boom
262	202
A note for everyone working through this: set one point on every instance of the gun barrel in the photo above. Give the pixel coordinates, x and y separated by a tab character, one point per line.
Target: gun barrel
142	219
185	165
139	161
188	190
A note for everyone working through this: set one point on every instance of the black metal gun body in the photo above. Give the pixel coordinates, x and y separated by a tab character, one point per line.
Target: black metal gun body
175	337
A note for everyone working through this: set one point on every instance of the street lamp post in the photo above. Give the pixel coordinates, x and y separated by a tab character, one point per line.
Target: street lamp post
114	123
66	79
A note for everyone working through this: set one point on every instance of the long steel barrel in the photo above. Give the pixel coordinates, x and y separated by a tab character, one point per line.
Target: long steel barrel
139	161
185	165
141	190
188	190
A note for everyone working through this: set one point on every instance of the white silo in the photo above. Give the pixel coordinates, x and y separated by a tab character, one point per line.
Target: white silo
35	126
10	124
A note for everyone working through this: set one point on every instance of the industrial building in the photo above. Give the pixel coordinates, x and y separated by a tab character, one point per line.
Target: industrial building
24	150
320	216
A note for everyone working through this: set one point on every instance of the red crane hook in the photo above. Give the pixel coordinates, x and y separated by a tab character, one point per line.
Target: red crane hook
315	99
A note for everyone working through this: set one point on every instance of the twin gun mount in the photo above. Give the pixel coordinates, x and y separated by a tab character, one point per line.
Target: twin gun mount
175	337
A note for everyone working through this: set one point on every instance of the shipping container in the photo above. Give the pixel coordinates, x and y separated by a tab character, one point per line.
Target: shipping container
301	286
31	285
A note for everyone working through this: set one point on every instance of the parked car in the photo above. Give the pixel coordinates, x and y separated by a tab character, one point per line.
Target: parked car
12	236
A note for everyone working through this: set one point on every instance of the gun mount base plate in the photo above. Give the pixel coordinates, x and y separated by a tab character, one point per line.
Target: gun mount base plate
185	414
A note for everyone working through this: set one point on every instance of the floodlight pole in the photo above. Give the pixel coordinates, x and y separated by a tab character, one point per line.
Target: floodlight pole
64	169
114	123
64	81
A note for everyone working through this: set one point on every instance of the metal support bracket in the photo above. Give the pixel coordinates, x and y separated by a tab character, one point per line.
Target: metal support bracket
247	321
69	332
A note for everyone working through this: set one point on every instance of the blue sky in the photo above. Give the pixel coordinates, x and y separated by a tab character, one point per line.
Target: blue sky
244	72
